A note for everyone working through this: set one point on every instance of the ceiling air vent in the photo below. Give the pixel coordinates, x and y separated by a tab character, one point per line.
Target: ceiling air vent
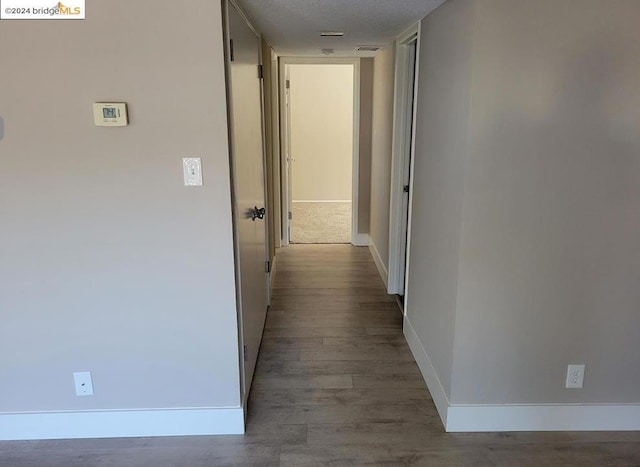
332	34
368	48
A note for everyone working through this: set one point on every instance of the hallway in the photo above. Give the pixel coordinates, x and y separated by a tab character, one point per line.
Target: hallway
334	365
335	385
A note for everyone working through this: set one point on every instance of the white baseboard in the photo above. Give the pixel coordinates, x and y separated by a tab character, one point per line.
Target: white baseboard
382	269
121	423
541	417
429	373
321	201
360	239
533	417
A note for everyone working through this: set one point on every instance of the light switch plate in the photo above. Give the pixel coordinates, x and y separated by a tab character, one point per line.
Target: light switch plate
110	114
192	168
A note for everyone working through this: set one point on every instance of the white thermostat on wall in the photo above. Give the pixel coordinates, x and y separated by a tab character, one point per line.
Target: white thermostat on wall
110	114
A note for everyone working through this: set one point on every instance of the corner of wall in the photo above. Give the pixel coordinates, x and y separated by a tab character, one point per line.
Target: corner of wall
377	259
428	371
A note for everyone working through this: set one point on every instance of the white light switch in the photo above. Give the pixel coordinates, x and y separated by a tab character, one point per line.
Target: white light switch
192	168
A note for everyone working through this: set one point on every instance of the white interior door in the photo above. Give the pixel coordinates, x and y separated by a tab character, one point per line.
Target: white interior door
407	51
406	175
245	91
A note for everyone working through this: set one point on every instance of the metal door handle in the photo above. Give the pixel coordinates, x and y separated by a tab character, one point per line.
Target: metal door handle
258	213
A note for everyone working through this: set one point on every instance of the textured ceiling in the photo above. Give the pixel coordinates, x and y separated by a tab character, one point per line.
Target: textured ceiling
293	27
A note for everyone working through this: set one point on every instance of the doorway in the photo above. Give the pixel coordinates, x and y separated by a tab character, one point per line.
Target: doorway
320	108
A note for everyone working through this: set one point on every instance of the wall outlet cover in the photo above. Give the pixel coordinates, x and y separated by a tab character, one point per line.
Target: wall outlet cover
575	376
83	383
192	169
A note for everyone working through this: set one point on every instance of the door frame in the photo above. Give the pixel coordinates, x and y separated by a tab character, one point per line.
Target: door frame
285	145
402	156
275	126
226	5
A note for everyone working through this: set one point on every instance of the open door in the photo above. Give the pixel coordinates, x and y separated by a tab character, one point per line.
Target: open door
402	160
407	163
248	177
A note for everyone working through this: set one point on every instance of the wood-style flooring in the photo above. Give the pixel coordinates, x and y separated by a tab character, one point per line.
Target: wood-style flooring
336	385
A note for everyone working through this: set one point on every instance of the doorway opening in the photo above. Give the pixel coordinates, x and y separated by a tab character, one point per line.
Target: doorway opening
320	147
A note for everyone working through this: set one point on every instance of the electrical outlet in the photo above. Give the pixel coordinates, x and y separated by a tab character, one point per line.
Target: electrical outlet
192	169
84	385
575	376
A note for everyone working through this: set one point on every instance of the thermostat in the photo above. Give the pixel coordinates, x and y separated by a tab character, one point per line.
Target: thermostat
110	114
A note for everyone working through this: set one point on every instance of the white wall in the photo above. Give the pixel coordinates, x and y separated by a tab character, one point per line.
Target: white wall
322	131
109	264
524	253
381	147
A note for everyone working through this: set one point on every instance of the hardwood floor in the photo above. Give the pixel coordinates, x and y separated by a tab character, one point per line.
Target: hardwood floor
336	385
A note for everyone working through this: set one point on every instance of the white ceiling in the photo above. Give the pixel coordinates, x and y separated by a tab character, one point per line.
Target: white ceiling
293	27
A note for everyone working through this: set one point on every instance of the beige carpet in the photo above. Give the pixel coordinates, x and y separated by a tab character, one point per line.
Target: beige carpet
321	223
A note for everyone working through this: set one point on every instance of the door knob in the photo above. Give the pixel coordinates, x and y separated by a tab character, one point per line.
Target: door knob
258	213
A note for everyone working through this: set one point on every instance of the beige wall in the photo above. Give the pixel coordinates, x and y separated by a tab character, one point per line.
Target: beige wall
109	264
322	131
551	205
439	162
546	235
271	129
364	172
381	147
